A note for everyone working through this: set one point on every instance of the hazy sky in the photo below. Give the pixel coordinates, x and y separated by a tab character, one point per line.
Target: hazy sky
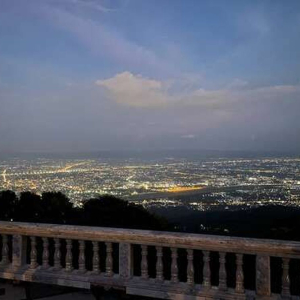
80	75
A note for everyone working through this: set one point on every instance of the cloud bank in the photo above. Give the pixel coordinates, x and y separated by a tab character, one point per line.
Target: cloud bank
137	91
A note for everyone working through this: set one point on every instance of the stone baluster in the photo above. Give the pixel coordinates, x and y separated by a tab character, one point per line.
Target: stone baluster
57	255
81	258
33	253
144	262
239	285
125	261
263	276
45	256
109	260
69	256
19	253
206	270
222	272
174	265
5	250
159	264
96	258
190	266
285	292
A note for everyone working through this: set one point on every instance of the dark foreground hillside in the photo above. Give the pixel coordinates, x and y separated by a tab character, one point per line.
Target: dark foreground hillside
273	221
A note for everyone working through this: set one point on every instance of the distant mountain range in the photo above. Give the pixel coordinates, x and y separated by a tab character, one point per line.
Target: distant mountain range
151	154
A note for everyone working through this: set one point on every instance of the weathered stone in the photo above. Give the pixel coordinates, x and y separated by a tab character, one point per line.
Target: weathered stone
125	260
19	245
263	275
157	287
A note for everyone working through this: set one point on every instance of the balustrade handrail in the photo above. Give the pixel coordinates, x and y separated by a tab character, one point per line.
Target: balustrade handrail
156	238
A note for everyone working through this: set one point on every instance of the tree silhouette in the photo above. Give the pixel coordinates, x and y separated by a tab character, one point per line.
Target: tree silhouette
111	211
8	202
29	208
56	208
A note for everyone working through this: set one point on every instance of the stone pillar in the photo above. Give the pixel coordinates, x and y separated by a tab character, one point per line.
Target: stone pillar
263	275
239	277
125	261
285	291
19	246
159	264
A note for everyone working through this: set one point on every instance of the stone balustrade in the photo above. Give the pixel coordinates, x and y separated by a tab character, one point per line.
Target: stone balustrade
148	263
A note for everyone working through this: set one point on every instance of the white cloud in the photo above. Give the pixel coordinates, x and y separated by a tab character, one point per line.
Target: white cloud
134	90
129	89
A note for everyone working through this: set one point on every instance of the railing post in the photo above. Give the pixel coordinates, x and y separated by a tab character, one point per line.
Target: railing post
222	272
263	276
5	250
33	253
190	267
285	292
125	260
69	256
45	256
144	262
239	285
81	258
109	260
174	265
206	270
96	258
57	255
159	264
19	246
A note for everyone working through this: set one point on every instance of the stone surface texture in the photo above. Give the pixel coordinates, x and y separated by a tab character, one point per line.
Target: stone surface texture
15	264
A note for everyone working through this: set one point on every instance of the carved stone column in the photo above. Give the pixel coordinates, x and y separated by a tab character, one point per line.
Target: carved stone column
174	266
190	266
263	275
239	285
285	292
19	246
45	256
206	270
125	260
96	259
4	260
33	253
109	260
81	258
69	256
144	262
159	264
57	255
222	272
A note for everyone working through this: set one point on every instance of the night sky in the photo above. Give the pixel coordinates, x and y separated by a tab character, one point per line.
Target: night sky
88	75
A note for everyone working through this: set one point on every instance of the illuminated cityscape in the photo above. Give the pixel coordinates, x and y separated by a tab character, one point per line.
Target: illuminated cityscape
198	184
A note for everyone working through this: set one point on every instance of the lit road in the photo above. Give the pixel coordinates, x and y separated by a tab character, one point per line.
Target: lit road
68	167
4	175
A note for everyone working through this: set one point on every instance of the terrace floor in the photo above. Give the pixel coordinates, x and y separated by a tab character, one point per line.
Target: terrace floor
17	292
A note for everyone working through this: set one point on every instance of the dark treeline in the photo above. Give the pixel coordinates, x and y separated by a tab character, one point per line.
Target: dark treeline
56	208
267	222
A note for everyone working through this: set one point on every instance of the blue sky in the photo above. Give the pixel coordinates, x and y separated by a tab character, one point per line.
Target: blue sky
81	75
